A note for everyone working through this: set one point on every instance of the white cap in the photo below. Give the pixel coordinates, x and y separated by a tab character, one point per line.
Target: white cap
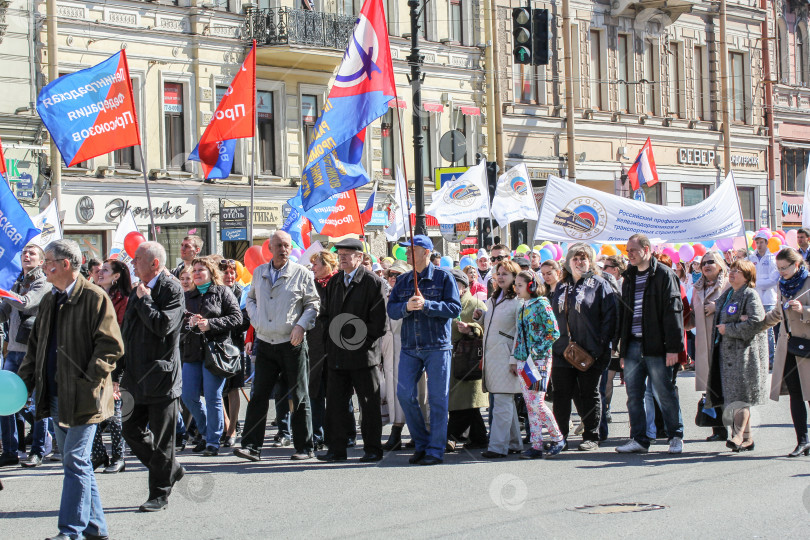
376	267
762	234
482	254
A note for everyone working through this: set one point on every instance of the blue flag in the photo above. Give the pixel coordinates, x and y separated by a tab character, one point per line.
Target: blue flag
224	164
16	229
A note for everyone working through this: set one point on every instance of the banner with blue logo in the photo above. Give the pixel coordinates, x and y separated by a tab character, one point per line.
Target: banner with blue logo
16	229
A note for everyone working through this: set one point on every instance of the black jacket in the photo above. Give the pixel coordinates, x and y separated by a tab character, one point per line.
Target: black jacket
151	333
238	333
662	312
221	308
317	347
358	341
592	314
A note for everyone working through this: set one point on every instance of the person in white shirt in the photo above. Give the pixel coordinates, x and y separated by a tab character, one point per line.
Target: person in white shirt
767	280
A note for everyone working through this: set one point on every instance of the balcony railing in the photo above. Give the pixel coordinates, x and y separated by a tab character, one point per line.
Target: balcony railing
283	26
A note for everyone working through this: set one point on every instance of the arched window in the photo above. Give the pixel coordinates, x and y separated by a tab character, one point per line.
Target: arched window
782	47
801	55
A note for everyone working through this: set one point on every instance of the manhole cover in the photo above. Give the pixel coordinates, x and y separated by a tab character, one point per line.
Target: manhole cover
618	508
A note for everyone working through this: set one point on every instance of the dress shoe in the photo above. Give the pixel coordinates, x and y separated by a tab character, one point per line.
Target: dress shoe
329	457
249	453
178	475
410	444
95	536
532	453
801	448
281	442
368	457
732	445
154	505
492	455
475	446
103	462
59	536
394	440
210	451
430	460
116	466
9	459
351	443
180	445
303	455
229	442
715	437
33	460
416	457
515	450
745	447
199	447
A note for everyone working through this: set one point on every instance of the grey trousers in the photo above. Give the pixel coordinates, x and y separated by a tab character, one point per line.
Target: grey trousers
504	435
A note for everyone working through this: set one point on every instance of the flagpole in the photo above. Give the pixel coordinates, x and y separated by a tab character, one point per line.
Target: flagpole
407	209
148	195
253	152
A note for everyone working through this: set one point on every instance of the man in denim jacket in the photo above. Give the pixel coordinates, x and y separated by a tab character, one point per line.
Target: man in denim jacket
426	346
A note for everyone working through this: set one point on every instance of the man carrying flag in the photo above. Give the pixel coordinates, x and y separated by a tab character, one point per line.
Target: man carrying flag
643	172
234	119
363	87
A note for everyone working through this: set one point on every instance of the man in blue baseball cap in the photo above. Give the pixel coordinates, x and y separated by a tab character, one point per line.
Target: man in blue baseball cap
426	315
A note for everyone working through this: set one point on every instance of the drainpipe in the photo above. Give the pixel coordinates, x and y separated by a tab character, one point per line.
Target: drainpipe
768	88
569	92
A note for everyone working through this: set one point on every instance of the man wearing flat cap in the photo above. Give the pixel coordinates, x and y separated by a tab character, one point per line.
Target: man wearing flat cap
353	314
426	315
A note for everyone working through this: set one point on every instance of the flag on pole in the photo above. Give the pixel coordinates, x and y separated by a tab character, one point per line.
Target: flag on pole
806	205
298	227
643	172
48	222
234	119
365	215
126	226
18	230
363	86
399	210
463	199
91	112
338	215
514	198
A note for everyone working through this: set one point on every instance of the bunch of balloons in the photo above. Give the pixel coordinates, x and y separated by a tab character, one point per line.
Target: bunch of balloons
399	253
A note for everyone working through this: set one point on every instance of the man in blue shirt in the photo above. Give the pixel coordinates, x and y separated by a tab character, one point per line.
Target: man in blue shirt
426	347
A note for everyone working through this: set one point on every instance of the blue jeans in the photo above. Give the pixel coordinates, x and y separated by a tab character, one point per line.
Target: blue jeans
211	419
80	511
637	368
412	363
649	409
603	423
8	424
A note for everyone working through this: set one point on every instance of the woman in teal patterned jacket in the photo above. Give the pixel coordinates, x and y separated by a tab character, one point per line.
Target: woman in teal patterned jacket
536	331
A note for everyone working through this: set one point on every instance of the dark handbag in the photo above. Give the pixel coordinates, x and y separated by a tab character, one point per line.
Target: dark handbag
799	347
221	359
708	417
574	354
468	354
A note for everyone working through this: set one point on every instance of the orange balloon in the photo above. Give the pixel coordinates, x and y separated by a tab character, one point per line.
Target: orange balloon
253	258
774	244
622	249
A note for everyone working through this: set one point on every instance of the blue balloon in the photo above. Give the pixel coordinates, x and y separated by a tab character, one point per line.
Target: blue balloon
13	393
465	262
446	262
546	254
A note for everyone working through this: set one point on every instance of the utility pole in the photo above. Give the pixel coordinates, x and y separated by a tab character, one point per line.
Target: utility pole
415	60
53	74
724	90
569	91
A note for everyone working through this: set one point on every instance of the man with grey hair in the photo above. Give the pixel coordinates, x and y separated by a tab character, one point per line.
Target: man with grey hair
72	351
282	305
151	332
30	288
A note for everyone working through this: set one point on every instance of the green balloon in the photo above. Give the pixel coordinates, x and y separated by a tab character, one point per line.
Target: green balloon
400	253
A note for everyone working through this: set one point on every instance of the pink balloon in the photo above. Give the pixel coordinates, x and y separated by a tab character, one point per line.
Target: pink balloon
672	254
791	240
724	244
740	242
559	253
687	252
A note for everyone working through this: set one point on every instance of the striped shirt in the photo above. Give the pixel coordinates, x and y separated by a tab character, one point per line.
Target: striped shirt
638	302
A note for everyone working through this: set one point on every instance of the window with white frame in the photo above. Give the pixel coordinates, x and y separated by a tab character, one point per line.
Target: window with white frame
456	22
309	114
738	90
267	132
782	48
801	55
124	158
625	63
650	71
174	146
524	83
675	82
596	69
701	83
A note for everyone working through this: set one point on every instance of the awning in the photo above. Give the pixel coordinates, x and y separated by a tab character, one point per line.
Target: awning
433	107
470	111
430	221
469	241
397	103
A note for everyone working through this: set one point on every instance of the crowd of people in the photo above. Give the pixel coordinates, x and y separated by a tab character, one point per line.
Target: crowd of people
415	344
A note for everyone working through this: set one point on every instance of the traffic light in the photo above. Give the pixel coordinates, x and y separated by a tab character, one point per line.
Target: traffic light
540	38
522	35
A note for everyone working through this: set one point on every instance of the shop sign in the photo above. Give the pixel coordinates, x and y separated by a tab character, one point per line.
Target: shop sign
792	207
233	217
265	214
745	161
232	235
118	207
696	156
379	218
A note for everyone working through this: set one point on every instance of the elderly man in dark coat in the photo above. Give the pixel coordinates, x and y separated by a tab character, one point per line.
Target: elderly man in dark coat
353	316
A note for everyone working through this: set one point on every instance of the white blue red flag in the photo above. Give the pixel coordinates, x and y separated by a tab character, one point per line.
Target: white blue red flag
368	211
235	118
338	215
299	229
531	375
363	87
643	172
91	112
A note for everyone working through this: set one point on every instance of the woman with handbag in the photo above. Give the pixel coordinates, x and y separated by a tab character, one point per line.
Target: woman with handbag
711	285
500	376
467	395
212	313
113	277
791	365
738	370
536	332
585	306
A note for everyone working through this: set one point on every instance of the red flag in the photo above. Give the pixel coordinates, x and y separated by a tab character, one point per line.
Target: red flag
235	116
306	232
345	218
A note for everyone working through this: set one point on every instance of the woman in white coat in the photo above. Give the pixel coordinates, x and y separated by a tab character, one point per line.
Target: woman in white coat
713	282
500	366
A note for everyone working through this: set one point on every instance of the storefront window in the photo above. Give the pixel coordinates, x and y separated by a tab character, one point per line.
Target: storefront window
794	168
749	207
694	193
653	194
91	244
171	236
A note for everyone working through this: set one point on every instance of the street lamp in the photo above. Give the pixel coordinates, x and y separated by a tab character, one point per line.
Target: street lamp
415	60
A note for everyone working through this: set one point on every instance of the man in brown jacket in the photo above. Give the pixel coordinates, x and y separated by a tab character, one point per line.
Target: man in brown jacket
72	351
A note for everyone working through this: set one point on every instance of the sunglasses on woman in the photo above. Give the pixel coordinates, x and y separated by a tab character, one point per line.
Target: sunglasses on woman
707	263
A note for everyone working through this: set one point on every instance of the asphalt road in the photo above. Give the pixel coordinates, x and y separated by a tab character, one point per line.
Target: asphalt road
705	491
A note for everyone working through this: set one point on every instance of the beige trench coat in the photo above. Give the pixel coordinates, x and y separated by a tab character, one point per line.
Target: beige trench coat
500	323
704	326
799	323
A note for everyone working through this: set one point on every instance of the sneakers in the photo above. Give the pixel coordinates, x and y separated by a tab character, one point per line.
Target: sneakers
555	448
281	442
588	446
675	445
632	447
33	460
532	453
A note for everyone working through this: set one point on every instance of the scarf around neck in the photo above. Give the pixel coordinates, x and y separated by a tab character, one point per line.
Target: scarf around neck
323	281
789	287
204	288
